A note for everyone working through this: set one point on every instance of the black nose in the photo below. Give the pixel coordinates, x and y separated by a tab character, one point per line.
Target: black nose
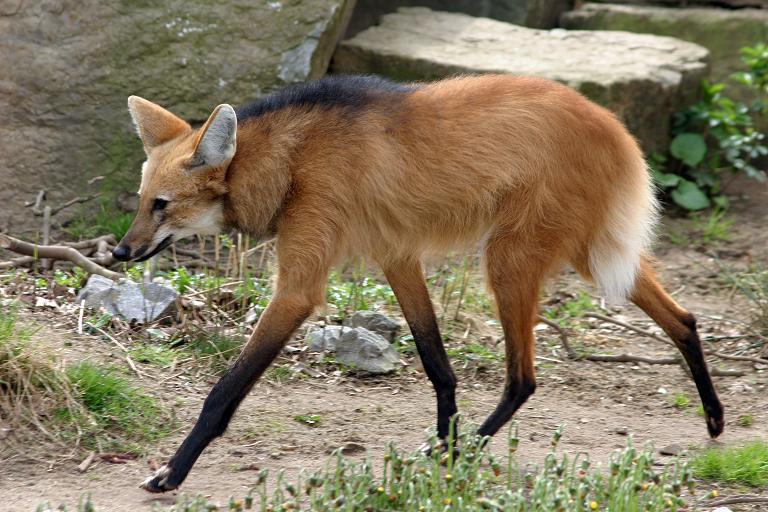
122	252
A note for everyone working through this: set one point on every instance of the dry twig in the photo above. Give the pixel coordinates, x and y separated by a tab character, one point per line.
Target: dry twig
57	252
736	500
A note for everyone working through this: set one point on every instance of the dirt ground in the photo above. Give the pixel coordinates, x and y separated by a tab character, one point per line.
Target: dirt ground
597	401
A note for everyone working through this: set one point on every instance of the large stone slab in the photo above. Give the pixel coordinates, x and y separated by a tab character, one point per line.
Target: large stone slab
731	4
643	78
722	31
531	13
68	66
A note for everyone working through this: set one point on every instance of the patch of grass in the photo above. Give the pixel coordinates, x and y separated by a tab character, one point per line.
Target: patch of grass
460	287
117	415
217	345
102	219
567	312
84	404
745	420
360	293
279	373
712	227
310	420
474	352
746	465
753	284
158	355
681	401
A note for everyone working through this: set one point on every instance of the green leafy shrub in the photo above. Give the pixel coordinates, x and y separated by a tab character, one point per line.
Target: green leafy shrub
716	139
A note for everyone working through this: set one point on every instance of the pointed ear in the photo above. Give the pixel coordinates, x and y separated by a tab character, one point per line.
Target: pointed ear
154	124
217	139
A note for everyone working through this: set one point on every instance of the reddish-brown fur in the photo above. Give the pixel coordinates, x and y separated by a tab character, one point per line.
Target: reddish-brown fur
531	170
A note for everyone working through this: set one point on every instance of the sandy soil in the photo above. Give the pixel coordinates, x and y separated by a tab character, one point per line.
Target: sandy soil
596	400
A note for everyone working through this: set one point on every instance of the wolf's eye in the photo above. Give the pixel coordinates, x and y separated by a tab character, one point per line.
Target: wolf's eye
159	204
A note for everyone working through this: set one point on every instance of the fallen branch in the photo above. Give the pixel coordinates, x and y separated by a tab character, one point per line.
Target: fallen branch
563	337
58	252
74	201
621	358
736	500
629	358
756	360
631	327
21	261
655	336
93	242
83	467
716	372
37	203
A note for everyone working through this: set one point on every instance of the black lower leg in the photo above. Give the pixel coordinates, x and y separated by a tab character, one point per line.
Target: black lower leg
438	370
218	409
271	333
516	392
690	348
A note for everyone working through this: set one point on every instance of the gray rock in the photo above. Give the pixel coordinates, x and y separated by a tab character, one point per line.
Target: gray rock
531	13
672	449
127	300
374	322
643	78
357	347
68	67
722	31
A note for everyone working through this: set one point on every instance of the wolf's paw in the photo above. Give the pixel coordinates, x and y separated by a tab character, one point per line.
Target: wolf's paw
441	447
159	481
715	424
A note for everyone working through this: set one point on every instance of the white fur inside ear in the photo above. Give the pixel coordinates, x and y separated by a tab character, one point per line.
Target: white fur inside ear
219	141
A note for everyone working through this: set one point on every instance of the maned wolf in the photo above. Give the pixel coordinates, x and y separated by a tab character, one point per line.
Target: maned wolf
358	166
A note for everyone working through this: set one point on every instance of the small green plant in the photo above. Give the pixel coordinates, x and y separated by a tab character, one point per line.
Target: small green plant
310	420
159	355
716	138
745	420
279	373
752	284
746	465
681	401
474	352
359	293
70	278
569	311
118	415
218	345
712	227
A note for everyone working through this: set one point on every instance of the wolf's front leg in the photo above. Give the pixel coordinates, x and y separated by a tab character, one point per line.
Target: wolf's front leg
282	317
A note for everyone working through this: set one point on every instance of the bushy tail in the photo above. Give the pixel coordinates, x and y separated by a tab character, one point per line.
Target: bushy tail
614	254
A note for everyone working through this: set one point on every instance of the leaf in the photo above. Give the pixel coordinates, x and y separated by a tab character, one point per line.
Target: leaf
721	202
690	196
689	147
665	179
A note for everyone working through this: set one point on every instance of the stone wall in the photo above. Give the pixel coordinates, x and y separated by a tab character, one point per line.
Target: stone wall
531	13
68	66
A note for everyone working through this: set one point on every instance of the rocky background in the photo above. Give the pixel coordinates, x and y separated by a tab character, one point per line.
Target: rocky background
68	66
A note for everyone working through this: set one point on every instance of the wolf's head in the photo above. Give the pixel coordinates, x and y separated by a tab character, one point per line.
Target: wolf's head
183	179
